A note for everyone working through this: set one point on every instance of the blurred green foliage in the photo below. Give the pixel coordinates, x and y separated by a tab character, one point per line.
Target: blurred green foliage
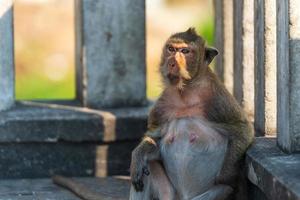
40	88
207	29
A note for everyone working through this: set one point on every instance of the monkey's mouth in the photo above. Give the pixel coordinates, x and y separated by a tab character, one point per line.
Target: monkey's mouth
174	79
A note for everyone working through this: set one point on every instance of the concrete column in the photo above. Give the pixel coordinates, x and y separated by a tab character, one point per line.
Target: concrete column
288	75
7	87
243	88
224	41
112	53
265	67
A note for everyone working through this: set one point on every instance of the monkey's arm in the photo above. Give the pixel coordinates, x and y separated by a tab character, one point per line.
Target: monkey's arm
229	119
155	118
146	151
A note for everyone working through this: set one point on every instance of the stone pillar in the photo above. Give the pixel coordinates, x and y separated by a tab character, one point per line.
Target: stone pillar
112	53
243	88
265	67
224	41
7	87
288	75
219	32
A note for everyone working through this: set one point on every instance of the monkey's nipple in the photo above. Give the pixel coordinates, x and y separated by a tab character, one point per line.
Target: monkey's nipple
170	139
193	137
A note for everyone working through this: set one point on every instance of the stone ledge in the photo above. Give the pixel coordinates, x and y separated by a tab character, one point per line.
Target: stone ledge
41	160
28	189
41	122
275	173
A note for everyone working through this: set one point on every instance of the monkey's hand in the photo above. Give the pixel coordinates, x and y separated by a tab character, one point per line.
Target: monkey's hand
138	169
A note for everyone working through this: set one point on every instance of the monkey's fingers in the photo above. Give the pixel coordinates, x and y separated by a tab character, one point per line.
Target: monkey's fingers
146	171
138	185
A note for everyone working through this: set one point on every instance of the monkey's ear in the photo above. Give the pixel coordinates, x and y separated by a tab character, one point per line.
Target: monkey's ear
191	30
210	53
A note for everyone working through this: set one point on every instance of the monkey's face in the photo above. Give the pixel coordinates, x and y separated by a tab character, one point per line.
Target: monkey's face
180	61
183	57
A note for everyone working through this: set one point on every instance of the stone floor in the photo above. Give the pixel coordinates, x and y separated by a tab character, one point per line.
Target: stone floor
44	189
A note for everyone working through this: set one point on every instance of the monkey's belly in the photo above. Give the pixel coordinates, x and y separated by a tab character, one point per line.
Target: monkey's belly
193	155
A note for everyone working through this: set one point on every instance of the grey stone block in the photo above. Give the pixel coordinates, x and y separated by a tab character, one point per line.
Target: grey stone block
224	41
243	88
275	173
113	53
33	189
288	75
219	32
254	192
265	67
7	86
51	123
39	160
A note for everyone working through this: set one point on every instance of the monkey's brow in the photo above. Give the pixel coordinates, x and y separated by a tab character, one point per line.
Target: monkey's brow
179	45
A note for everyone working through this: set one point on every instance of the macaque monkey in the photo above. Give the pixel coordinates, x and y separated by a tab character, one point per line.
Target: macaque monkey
197	132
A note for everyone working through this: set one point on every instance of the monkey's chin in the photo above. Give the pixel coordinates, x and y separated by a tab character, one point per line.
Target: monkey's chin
173	79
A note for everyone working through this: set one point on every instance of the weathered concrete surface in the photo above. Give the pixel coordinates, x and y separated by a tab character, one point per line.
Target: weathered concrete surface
39	139
254	193
7	86
224	41
259	51
276	174
228	44
265	67
28	189
243	88
288	76
35	122
40	160
219	40
113	53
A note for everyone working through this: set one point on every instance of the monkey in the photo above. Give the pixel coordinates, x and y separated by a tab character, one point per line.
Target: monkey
197	132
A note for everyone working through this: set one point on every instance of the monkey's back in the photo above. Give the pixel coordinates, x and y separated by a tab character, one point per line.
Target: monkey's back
192	154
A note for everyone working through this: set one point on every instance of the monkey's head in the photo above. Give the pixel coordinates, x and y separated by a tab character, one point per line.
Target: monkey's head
184	57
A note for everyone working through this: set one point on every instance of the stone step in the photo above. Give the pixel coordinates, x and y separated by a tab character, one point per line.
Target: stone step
43	189
41	139
41	160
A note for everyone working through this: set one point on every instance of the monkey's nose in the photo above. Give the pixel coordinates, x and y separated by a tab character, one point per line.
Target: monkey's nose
172	64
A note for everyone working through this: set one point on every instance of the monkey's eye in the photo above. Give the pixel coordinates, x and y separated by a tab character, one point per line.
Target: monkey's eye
171	49
185	51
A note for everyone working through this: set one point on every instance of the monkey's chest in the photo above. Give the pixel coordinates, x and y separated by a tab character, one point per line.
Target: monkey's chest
193	155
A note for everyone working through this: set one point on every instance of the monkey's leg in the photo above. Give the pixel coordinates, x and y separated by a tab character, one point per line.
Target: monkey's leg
156	185
218	192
